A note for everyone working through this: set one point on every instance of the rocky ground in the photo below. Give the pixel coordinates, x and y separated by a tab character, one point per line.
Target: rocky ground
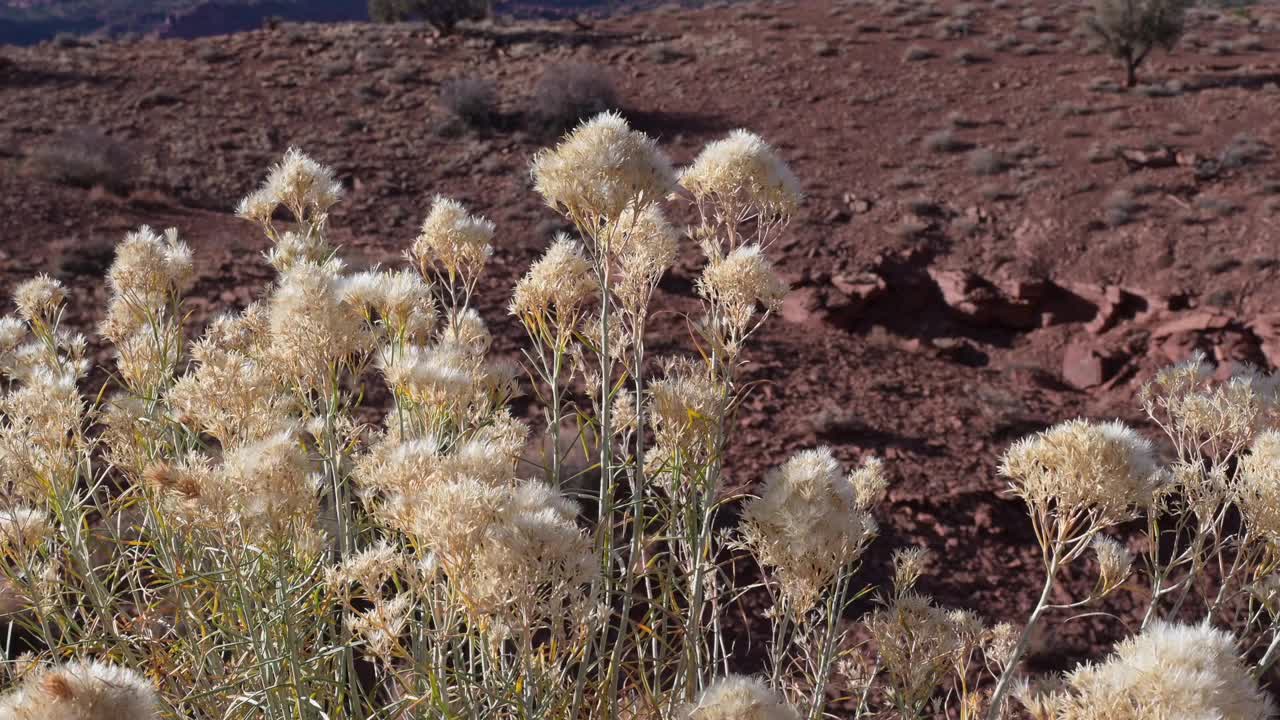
996	236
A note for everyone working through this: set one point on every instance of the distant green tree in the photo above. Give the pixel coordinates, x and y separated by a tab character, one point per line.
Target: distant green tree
1130	29
443	15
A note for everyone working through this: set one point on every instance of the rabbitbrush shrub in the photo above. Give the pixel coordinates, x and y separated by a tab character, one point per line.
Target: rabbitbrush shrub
219	535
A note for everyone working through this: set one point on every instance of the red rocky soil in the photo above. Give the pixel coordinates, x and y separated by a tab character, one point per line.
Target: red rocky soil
938	313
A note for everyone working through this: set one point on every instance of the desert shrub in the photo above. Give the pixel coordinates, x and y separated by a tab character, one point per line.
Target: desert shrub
473	101
1119	207
1130	29
225	505
569	92
85	157
916	53
1081	479
230	530
945	141
444	15
1244	149
969	56
985	161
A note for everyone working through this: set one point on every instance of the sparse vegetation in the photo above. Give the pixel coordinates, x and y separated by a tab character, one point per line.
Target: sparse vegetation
568	93
916	53
985	161
443	15
472	101
946	141
85	157
1130	29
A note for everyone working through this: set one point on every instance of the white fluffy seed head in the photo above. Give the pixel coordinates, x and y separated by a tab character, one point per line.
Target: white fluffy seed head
743	171
307	188
558	287
601	168
648	247
809	523
1258	486
736	697
150	266
312	330
453	240
1168	671
39	298
82	690
736	284
1083	465
23	528
1114	563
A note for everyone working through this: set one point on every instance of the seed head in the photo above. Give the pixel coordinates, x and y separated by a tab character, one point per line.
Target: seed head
648	248
39	298
293	248
381	626
23	528
557	288
149	266
1083	466
736	697
736	283
454	241
1168	671
743	172
402	300
1114	563
1258	489
82	690
686	406
601	168
533	562
312	330
807	525
304	186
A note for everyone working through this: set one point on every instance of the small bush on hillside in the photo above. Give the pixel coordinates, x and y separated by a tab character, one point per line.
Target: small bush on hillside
443	15
1130	29
945	141
569	93
85	157
985	161
473	101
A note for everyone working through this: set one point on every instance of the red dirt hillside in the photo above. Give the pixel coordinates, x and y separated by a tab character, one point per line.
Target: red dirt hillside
996	236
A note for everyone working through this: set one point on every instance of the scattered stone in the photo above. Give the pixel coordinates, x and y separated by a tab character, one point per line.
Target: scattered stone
984	304
1085	366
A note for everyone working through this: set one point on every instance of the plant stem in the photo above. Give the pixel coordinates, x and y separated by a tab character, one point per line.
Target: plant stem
1006	677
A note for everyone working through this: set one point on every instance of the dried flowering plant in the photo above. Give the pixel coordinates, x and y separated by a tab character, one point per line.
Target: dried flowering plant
228	525
230	530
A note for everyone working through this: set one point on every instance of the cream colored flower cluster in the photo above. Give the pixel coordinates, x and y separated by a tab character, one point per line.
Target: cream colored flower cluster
811	521
1167	672
81	690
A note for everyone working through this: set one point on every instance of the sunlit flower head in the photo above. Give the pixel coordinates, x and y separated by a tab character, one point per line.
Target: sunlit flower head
560	283
1167	671
82	690
736	697
601	168
1080	465
454	241
809	523
743	172
304	186
39	298
149	266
